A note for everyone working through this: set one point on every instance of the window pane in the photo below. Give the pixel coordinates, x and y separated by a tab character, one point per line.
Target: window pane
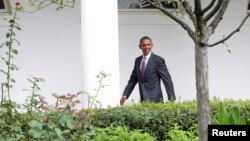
142	4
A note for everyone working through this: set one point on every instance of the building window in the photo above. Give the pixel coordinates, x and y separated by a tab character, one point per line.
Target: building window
248	7
5	7
142	4
2	6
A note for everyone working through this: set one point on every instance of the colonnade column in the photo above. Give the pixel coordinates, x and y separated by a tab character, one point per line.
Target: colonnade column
100	50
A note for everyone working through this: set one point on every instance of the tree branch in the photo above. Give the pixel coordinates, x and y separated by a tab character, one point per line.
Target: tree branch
219	15
230	35
176	19
189	11
214	11
37	9
197	5
199	18
208	7
41	4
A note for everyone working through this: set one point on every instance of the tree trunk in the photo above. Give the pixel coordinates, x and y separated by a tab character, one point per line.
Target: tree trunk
201	68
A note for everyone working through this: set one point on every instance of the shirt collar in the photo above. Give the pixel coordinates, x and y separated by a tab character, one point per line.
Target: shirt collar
147	56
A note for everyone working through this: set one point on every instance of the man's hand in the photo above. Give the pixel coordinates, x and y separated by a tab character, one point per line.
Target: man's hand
122	100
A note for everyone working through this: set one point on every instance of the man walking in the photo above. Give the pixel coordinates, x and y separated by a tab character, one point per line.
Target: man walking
149	70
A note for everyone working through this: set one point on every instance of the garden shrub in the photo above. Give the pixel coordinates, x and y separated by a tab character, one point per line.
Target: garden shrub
154	118
177	134
118	133
243	105
228	116
163	121
158	118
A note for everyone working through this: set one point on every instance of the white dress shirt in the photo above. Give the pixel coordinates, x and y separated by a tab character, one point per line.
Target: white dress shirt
146	61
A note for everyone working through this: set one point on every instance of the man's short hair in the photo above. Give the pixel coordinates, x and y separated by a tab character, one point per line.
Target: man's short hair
145	38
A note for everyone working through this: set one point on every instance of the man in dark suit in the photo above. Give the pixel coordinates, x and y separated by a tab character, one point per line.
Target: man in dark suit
149	70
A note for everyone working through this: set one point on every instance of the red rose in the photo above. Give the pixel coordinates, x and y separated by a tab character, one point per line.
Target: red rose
17	3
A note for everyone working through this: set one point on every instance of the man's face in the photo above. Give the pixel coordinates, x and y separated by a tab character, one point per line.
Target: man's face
146	46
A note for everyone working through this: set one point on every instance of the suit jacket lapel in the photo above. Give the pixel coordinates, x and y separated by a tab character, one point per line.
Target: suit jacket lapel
138	65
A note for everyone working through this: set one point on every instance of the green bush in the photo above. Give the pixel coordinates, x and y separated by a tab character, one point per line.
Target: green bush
163	121
229	117
116	134
242	105
177	134
158	118
155	119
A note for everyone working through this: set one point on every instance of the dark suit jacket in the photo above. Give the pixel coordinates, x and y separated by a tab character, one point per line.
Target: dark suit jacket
150	85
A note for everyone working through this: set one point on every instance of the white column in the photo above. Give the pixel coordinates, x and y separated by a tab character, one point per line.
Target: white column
100	50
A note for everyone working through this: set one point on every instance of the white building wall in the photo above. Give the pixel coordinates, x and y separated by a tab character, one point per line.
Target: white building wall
229	75
51	49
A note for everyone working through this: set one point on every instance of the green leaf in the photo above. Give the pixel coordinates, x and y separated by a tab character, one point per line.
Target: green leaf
59	133
12	68
35	133
31	81
7	53
8	35
7	43
3	59
17	41
9	86
18	28
12	80
70	123
35	124
62	119
4	84
38	88
15	51
1	45
222	116
34	101
51	126
215	122
235	114
3	71
231	120
242	121
55	95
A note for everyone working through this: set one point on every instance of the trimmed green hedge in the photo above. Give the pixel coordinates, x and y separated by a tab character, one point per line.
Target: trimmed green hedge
116	134
171	121
157	119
